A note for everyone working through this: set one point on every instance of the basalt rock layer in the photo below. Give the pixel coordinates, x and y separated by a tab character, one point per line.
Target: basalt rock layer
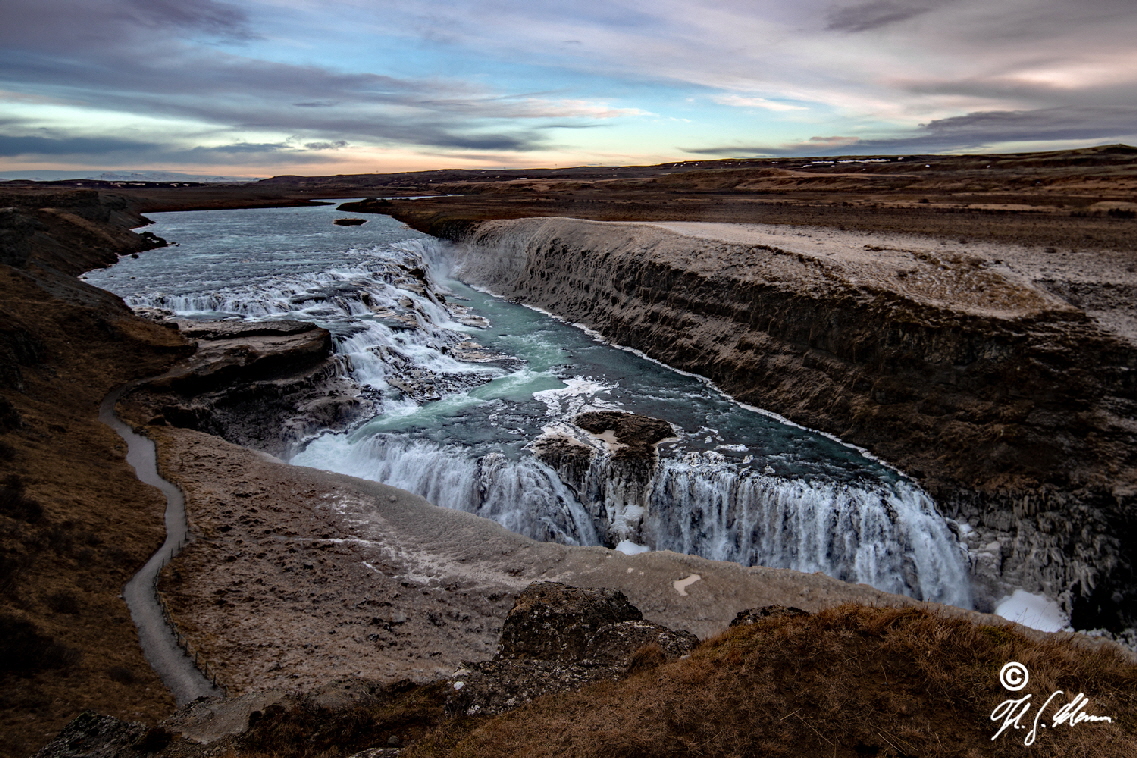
265	385
1010	405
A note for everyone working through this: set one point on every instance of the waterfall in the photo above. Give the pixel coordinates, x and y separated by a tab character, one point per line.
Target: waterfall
468	386
523	495
887	535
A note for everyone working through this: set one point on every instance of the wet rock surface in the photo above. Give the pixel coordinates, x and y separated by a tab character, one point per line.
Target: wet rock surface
367	205
635	436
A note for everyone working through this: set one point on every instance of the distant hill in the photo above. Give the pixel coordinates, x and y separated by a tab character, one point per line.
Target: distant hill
122	176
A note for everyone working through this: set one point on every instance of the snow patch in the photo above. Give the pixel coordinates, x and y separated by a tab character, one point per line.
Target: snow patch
681	585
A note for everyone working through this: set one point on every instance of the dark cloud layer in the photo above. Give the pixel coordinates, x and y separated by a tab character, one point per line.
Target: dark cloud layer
974	131
98	150
874	14
12	147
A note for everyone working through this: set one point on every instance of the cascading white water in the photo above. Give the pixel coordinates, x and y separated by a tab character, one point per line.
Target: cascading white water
523	495
887	535
464	393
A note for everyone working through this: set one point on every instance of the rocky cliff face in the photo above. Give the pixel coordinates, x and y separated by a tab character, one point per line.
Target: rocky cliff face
266	385
611	470
1011	406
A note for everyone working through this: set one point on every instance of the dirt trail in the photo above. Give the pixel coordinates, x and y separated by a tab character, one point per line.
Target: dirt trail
159	643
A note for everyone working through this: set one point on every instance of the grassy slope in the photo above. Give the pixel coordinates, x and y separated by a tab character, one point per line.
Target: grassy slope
74	522
851	681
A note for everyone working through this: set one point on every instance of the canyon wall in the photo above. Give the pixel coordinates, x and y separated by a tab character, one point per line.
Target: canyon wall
1008	404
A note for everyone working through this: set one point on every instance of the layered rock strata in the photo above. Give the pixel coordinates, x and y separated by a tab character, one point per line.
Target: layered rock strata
267	385
1012	406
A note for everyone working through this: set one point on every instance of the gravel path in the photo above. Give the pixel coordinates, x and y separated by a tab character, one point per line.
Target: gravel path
159	642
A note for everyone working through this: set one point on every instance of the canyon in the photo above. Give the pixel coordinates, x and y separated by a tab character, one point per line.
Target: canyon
958	363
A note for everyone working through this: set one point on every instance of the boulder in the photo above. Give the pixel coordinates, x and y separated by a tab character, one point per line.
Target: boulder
90	735
636	435
558	638
550	621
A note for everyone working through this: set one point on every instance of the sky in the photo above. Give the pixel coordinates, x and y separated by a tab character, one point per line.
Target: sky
270	87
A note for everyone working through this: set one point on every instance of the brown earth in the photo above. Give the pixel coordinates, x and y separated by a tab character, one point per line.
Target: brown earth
75	523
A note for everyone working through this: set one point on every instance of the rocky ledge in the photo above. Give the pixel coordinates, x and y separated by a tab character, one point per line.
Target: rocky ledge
266	385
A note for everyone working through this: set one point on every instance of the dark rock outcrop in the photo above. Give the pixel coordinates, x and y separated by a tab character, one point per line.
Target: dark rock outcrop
264	385
90	735
350	221
558	638
612	471
754	615
368	205
555	622
636	435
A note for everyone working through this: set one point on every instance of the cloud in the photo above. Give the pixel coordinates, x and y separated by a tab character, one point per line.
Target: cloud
47	146
208	16
874	14
77	26
491	77
741	101
11	147
1051	124
143	57
971	132
338	144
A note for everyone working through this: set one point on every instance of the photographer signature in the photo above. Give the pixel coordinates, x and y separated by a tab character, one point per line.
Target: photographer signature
1014	677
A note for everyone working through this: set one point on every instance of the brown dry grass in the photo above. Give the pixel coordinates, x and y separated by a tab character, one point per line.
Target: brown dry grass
851	681
75	523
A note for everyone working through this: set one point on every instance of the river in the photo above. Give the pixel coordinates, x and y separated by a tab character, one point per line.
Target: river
468	388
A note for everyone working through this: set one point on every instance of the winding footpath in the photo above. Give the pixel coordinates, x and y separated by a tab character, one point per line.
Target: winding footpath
159	640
